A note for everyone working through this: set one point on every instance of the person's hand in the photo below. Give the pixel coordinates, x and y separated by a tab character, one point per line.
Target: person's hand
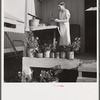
56	20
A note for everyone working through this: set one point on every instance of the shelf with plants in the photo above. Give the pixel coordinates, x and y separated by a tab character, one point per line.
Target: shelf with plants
47	50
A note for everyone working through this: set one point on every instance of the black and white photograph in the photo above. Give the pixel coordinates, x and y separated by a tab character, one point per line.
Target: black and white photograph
50	41
49	50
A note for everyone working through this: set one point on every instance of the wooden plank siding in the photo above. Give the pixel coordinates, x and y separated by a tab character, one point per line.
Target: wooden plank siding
38	7
76	8
13	36
48	8
44	10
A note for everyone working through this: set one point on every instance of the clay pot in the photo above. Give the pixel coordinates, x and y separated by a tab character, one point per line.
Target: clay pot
30	53
52	55
39	55
70	55
34	22
47	54
57	55
63	55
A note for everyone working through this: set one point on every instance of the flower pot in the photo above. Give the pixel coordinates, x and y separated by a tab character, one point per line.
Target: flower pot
30	53
57	55
47	54
70	54
39	55
52	55
34	22
63	55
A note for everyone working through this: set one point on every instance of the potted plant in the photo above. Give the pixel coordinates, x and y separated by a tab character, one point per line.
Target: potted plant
52	75
22	77
57	53
39	51
53	50
47	49
31	44
74	47
62	51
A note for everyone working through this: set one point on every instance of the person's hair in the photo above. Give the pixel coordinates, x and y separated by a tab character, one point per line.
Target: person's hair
62	4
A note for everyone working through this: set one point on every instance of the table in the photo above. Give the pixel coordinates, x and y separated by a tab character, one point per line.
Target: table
28	62
43	28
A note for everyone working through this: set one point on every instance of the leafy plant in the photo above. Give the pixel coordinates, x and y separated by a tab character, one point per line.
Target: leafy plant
44	76
75	46
47	47
32	42
62	48
54	47
40	49
51	75
25	78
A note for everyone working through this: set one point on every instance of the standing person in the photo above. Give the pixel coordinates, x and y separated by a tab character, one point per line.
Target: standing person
64	16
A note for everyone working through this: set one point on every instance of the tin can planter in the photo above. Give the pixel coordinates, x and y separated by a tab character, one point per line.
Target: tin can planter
57	55
70	55
47	54
52	55
63	55
30	53
39	55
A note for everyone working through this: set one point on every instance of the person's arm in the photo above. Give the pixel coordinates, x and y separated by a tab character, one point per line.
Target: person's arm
65	20
61	21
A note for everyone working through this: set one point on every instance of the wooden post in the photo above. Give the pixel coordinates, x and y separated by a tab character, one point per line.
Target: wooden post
79	74
26	26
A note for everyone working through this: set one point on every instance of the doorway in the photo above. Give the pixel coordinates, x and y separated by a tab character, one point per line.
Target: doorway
90	27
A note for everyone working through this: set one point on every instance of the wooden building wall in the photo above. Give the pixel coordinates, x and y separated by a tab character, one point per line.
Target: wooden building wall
76	8
16	33
13	36
48	8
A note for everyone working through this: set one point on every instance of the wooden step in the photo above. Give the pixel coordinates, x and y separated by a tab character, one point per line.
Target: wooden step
86	79
88	67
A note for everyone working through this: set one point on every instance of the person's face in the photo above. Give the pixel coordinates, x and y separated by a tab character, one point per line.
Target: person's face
60	7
